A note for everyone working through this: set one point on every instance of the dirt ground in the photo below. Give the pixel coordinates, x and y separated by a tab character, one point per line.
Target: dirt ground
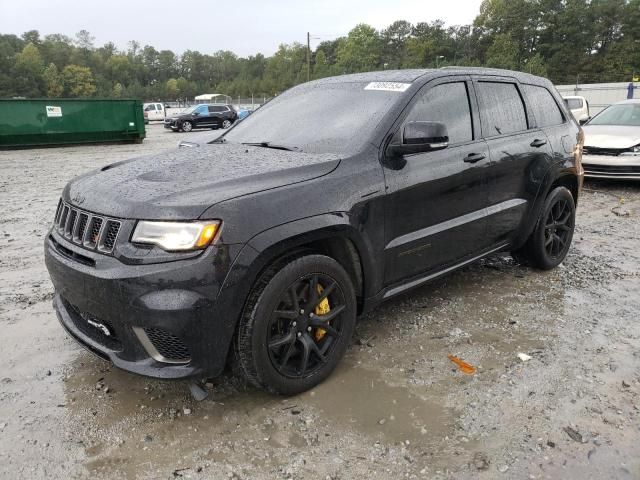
395	408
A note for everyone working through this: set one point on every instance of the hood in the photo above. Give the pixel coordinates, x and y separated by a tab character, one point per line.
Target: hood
183	183
611	136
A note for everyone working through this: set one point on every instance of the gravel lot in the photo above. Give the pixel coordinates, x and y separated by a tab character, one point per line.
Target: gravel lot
396	407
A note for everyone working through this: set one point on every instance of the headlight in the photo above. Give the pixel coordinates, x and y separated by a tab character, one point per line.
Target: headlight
176	236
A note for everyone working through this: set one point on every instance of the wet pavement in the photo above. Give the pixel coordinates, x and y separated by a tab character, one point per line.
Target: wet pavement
395	407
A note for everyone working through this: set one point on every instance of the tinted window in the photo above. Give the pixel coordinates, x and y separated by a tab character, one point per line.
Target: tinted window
449	104
544	107
215	109
573	103
501	108
319	117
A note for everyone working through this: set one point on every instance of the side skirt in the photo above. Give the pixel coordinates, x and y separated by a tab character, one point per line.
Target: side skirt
397	289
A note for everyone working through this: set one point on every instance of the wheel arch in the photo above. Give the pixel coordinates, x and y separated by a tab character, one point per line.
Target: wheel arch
552	179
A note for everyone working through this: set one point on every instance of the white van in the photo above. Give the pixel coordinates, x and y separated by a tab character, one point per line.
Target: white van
579	108
153	111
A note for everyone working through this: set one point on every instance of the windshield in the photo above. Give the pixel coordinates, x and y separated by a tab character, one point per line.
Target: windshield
627	114
190	109
317	118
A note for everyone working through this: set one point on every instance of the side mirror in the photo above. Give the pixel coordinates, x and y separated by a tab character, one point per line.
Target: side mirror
195	114
420	137
584	120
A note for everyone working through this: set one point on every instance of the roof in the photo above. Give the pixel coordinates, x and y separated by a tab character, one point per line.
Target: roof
410	75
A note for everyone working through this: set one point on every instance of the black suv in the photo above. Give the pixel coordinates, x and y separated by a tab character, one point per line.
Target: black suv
264	245
202	116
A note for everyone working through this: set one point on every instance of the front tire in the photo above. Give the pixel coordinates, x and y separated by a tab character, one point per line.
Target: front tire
296	325
186	126
549	243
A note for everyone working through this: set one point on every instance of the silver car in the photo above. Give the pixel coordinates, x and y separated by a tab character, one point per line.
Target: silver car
612	142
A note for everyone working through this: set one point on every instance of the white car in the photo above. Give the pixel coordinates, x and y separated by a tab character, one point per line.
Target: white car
579	107
612	142
153	111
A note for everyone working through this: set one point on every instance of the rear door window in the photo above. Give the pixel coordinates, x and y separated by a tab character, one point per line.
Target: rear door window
446	103
573	103
501	108
543	106
216	109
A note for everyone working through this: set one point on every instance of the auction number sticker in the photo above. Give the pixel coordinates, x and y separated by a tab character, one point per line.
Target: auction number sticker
54	111
388	86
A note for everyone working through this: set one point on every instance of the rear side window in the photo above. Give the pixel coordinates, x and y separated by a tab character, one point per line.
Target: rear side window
447	103
543	106
501	108
216	109
573	103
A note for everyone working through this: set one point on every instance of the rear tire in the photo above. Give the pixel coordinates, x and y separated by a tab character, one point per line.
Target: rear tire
281	346
549	242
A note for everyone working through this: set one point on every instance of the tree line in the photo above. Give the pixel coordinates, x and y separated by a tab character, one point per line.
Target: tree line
568	41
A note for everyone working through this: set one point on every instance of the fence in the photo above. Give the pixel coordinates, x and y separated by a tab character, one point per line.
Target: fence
601	95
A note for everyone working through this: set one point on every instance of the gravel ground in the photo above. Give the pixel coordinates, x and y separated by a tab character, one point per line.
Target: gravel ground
396	407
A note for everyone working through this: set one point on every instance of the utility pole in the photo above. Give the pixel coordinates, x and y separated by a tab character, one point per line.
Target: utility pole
308	56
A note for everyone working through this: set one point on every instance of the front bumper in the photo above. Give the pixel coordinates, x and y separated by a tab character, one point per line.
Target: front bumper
609	166
161	320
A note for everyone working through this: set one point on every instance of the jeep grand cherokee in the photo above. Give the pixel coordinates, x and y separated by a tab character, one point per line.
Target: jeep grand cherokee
264	245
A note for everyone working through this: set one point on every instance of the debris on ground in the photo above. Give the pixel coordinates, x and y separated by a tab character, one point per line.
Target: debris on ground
463	366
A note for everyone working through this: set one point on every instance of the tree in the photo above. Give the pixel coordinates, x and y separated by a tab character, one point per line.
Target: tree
503	53
117	90
28	71
172	88
78	81
361	50
53	81
394	43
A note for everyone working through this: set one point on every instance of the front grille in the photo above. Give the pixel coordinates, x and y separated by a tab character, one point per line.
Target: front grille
168	345
611	152
94	232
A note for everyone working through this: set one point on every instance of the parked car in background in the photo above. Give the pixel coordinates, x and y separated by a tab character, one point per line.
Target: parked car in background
612	142
202	116
153	112
579	107
266	243
244	113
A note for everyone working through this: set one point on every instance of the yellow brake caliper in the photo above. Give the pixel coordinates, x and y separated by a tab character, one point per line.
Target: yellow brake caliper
322	309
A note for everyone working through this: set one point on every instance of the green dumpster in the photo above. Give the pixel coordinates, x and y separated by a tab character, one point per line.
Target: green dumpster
60	121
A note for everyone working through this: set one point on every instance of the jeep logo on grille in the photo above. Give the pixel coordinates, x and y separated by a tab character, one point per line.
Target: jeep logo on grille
78	199
100	326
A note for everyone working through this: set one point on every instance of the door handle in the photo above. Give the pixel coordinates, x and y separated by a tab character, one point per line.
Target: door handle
474	157
537	143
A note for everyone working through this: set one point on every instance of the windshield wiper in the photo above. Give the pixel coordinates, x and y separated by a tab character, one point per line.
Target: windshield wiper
271	145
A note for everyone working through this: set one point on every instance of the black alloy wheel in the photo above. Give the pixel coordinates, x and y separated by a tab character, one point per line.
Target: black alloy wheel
300	340
297	324
558	228
549	242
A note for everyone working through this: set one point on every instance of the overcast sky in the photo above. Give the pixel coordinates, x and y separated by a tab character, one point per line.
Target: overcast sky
243	26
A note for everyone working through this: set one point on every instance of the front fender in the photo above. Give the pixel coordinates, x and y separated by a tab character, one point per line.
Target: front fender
267	246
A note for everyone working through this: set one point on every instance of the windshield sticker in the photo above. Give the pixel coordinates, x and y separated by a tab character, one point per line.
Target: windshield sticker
388	86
